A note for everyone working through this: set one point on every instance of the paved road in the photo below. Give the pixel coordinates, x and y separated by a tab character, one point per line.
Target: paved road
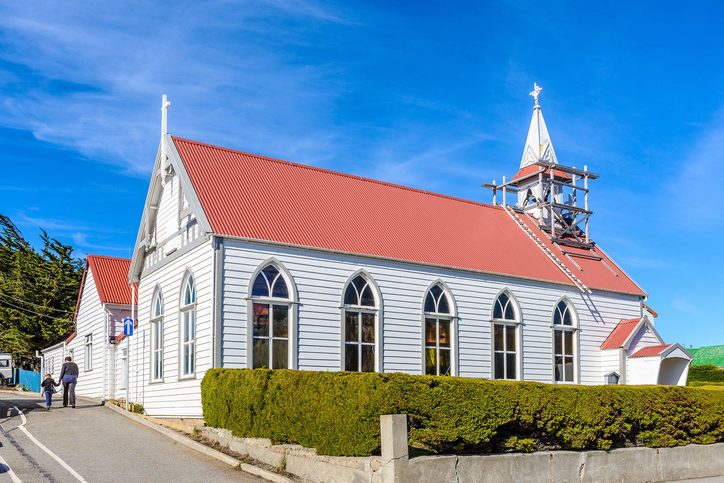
92	443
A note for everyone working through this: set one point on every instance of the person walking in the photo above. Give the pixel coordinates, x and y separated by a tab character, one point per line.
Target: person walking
49	386
69	378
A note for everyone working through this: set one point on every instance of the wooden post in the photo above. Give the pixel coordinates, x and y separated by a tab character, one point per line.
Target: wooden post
495	194
552	200
585	200
505	203
540	197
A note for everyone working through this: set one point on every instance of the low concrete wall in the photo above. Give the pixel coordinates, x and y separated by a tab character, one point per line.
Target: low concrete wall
302	462
619	465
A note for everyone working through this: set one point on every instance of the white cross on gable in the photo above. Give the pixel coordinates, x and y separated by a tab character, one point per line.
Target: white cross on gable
165	104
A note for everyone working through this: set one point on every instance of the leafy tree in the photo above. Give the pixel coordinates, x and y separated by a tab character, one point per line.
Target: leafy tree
38	291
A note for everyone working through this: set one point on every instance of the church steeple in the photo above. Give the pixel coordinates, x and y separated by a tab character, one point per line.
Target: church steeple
549	193
538	144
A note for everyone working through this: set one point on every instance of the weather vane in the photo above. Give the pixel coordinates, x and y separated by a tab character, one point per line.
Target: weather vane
536	93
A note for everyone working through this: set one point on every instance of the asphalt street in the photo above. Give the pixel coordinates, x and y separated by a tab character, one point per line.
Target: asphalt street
94	444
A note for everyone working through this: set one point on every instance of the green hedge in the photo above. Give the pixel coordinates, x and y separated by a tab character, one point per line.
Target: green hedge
708	373
338	413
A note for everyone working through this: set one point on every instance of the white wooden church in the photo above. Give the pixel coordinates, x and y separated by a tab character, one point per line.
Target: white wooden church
243	261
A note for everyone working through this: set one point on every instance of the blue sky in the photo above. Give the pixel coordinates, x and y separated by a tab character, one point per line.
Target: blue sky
428	94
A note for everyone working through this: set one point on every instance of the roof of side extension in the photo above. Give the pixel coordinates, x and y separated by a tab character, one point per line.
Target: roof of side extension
110	275
259	198
651	351
620	334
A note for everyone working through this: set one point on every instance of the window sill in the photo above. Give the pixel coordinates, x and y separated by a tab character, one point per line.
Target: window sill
157	381
506	322
187	377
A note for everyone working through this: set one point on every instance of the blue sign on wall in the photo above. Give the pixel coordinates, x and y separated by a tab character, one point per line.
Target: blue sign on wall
128	326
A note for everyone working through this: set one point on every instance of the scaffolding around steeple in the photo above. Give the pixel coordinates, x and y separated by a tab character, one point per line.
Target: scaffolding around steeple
556	196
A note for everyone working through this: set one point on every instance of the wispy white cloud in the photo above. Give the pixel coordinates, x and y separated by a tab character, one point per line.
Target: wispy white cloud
21	218
694	193
237	75
219	63
82	241
85	238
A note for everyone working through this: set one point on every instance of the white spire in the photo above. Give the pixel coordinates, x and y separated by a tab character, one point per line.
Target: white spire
538	144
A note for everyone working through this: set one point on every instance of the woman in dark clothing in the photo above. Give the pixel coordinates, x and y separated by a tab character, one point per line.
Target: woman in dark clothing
69	378
49	386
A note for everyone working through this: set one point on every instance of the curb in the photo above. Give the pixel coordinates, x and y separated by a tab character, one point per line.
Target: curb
189	443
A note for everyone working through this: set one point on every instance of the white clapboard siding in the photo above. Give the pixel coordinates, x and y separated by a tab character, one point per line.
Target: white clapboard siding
174	397
90	320
643	338
610	362
320	277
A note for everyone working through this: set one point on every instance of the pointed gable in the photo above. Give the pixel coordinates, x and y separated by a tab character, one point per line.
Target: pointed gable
110	275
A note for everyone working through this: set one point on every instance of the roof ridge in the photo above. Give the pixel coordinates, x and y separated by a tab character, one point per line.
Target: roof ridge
108	257
338	173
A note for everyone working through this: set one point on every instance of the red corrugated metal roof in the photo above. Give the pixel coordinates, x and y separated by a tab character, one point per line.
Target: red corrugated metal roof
651	351
110	275
255	197
620	334
534	168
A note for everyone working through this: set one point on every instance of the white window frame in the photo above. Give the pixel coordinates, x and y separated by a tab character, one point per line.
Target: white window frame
187	341
573	330
88	353
157	337
290	302
452	318
361	309
517	324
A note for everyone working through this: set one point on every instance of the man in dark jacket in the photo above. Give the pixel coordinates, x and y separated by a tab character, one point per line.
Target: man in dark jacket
69	378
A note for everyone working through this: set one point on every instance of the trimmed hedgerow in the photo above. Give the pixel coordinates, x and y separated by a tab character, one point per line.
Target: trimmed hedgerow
707	373
338	412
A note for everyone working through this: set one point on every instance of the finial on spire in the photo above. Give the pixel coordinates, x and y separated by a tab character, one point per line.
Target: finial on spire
165	104
536	93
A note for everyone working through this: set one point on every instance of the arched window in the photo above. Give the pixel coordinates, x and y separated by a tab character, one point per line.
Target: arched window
438	332
564	334
506	321
359	325
157	336
188	327
271	309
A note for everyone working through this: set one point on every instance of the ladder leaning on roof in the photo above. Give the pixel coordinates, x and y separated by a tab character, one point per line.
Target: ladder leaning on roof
536	239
